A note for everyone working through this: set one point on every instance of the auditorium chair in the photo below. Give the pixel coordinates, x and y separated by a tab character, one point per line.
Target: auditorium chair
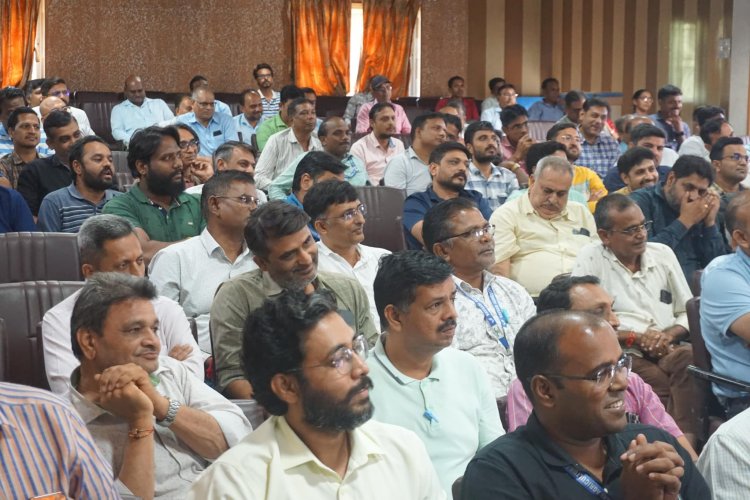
39	256
22	307
385	208
3	342
538	130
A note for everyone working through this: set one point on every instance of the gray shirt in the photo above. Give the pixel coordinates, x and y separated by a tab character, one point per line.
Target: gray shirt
407	171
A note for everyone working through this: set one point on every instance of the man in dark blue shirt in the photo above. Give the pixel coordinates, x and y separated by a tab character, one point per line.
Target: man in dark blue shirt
15	215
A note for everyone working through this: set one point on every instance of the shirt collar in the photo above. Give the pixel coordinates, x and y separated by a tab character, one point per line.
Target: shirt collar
494	170
129	104
382	358
140	196
88	410
211	245
647	261
487	280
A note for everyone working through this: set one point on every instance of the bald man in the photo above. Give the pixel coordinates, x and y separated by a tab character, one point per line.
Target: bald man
50	104
137	111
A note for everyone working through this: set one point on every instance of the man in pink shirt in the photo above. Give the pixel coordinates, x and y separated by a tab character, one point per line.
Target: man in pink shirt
583	293
378	147
381	91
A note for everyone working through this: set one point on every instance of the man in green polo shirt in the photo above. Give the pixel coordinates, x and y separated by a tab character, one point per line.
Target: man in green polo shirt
284	249
157	205
279	121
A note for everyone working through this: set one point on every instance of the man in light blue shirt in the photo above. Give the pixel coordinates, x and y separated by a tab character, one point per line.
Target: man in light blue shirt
213	128
136	111
549	109
419	381
201	81
251	115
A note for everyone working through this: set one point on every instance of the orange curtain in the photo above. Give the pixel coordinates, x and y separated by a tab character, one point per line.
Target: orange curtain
17	34
386	47
321	44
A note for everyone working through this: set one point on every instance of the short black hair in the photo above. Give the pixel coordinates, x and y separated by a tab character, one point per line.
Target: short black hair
273	338
437	225
186	128
454	78
495	81
23	110
453	120
556	295
9	93
260	67
443	149
226	150
289	93
399	275
323	129
637	93
668	91
76	151
324	194
378	107
291	110
595	102
574	96
645	130
219	185
51	82
704	113
144	144
179	98
559	127
196	79
612	202
712	126
57	119
511	113
32	85
632	158
541	150
475	127
314	163
271	221
420	121
547	81
687	165
717	151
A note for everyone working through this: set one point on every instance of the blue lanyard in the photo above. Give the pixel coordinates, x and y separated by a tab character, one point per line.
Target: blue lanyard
588	483
502	313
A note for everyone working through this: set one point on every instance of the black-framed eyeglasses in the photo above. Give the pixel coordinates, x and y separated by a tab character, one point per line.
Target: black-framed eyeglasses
737	157
343	359
475	233
632	231
603	376
244	199
60	93
187	144
349	214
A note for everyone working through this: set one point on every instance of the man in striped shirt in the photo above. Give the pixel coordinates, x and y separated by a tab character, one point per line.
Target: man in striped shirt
66	209
45	449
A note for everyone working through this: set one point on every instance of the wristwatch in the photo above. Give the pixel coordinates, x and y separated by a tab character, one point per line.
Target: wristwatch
514	166
168	420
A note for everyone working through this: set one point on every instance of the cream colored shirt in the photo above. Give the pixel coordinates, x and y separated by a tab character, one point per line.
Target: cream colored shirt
386	463
539	249
653	297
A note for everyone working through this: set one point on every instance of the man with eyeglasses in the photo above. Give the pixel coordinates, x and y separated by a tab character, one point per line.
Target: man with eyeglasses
420	383
190	271
577	442
490	308
308	368
285	252
650	293
339	219
729	160
506	96
270	99
684	213
449	169
212	128
382	90
56	87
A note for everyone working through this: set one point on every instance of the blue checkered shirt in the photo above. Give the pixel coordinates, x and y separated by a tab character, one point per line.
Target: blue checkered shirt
599	156
496	189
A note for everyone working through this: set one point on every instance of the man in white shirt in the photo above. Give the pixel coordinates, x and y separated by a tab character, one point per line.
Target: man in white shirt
307	367
108	243
190	272
136	111
725	459
378	147
491	309
56	87
339	219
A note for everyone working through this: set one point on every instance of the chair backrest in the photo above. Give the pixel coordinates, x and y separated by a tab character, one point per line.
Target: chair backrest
22	307
701	356
385	208
695	282
39	256
252	410
538	130
3	349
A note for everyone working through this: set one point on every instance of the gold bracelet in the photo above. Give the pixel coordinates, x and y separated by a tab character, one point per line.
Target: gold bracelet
140	433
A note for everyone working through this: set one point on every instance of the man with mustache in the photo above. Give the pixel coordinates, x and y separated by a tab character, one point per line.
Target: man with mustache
308	368
65	210
485	173
649	136
637	168
449	168
668	118
378	147
25	132
443	395
599	151
155	423
285	251
157	205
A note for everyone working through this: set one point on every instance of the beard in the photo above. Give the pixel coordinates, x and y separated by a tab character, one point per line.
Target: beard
495	159
164	185
95	181
325	413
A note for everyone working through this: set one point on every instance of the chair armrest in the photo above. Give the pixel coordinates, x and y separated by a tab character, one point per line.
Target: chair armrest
719	379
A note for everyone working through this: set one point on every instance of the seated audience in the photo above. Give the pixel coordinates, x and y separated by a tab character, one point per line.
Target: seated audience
549	109
381	89
283	147
56	87
284	250
730	162
64	210
637	169
15	215
725	459
354	103
107	243
157	205
200	81
136	111
539	234
506	96
314	167
155	423
725	308
251	115
190	271
270	99
649	136
308	368
24	129
46	451
599	151
443	395
378	147
578	442
650	293
492	101
574	100
195	169
339	219
335	138
642	102
410	169
486	175
279	121
453	127
668	117
212	127
33	92
457	88
516	140
683	210
695	144
449	164
183	104
44	175
490	308
584	293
